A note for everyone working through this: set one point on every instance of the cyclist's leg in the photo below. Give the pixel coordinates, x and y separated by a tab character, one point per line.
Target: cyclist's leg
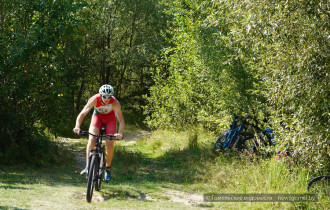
94	128
108	160
91	141
110	128
109	156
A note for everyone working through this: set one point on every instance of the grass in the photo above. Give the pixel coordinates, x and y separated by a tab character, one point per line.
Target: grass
161	170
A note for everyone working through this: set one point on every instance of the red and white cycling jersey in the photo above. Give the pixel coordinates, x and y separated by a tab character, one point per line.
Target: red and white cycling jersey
104	115
100	108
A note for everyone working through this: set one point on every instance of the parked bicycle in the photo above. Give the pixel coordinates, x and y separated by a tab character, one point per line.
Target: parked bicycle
245	134
96	163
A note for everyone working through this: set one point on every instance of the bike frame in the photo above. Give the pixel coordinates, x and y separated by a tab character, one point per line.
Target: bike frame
231	134
97	150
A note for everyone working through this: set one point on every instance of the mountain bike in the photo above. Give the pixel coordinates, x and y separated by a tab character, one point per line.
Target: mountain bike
96	163
245	136
319	185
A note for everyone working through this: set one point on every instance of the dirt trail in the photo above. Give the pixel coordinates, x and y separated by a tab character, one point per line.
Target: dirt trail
189	199
173	195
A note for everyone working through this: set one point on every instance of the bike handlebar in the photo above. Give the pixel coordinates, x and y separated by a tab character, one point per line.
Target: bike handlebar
111	137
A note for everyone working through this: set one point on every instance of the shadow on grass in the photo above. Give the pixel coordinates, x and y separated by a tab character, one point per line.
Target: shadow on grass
130	167
125	194
6	187
175	166
136	176
9	207
62	175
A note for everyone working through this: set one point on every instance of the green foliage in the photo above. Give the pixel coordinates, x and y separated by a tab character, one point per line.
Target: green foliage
267	59
55	54
38	58
124	39
187	62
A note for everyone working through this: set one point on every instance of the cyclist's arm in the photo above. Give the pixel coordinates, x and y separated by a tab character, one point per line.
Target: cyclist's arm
120	118
91	103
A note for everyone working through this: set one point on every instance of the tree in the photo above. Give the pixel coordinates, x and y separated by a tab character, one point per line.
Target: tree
39	45
55	55
268	59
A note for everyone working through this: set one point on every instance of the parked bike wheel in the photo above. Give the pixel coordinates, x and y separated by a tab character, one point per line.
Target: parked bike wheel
100	169
236	138
319	185
245	143
237	141
266	139
220	142
253	143
90	181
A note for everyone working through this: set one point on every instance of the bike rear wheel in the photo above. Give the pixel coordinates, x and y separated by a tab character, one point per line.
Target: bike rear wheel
91	178
243	143
266	139
250	144
100	169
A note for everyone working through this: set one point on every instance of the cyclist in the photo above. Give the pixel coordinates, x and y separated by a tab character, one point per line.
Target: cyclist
106	109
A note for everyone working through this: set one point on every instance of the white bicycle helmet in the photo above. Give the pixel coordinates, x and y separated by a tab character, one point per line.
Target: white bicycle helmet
106	90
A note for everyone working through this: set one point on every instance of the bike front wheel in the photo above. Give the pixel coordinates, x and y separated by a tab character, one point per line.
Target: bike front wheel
91	178
319	185
101	168
219	144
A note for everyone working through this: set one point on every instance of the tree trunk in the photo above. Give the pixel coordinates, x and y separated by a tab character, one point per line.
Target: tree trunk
102	73
120	81
79	95
108	63
2	16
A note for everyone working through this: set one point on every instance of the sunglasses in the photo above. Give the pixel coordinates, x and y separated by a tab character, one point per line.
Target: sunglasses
106	97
